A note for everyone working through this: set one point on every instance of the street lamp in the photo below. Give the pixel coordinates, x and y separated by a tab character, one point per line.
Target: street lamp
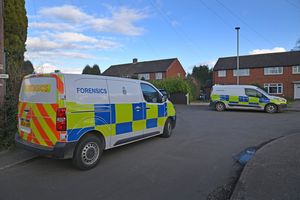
237	55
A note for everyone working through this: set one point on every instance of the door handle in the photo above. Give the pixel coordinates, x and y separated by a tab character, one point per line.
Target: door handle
147	108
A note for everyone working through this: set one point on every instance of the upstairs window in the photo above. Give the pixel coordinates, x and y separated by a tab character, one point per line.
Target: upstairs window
242	72
222	73
296	69
273	70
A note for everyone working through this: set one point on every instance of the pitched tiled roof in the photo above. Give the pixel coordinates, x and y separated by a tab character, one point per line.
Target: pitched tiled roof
139	67
260	60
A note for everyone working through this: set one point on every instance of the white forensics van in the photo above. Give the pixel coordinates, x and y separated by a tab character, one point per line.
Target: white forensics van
79	116
245	97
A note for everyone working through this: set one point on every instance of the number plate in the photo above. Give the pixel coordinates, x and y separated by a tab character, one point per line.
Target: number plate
25	123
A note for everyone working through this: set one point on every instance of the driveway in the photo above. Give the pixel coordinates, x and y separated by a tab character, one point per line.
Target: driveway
191	164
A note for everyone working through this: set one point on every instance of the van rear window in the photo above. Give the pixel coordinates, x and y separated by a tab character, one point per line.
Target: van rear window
38	90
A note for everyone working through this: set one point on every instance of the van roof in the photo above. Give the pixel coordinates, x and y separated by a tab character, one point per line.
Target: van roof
236	86
86	76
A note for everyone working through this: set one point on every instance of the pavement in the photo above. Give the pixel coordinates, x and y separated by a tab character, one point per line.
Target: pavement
9	158
273	172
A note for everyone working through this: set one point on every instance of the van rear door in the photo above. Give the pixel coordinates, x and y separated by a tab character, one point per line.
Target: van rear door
37	110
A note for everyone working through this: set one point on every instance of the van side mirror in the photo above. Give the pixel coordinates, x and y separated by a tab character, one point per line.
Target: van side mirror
164	99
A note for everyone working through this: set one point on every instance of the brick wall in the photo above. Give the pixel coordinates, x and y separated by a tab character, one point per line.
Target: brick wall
257	76
175	70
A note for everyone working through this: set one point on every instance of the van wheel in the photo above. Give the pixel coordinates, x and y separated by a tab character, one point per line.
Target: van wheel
88	152
271	108
220	106
167	129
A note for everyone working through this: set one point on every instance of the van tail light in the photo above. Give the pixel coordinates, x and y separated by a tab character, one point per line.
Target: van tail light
61	119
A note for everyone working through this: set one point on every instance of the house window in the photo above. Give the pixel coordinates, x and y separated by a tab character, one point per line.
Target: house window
222	73
273	70
296	69
144	76
158	75
242	72
274	88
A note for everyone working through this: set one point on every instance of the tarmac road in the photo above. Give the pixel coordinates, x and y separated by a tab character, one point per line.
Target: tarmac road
189	165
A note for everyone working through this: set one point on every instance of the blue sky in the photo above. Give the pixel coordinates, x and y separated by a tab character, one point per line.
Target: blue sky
68	34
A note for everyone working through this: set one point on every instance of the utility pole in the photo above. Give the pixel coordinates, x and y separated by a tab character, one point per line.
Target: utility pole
237	55
3	76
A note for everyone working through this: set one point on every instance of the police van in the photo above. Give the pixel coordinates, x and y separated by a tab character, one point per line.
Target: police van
79	116
245	97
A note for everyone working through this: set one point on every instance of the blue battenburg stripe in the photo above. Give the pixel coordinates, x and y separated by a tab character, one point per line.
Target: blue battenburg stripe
253	103
224	97
138	114
102	114
243	99
113	113
162	110
264	100
233	102
151	123
75	134
122	128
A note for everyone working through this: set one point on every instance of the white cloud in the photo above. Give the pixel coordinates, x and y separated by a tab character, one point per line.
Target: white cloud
74	37
47	56
45	68
52	26
263	51
65	12
49	67
121	21
68	32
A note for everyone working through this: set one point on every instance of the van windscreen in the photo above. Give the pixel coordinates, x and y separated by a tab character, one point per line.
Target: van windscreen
38	90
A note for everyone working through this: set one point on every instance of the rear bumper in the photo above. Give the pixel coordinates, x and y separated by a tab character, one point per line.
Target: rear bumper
61	150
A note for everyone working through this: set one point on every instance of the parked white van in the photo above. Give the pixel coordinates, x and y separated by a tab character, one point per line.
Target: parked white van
245	97
79	116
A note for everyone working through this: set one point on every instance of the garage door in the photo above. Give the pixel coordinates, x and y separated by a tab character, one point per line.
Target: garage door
296	91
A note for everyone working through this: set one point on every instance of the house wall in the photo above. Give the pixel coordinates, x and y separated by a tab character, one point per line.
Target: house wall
257	77
175	70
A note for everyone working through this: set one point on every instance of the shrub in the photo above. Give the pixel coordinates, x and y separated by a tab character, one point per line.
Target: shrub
175	85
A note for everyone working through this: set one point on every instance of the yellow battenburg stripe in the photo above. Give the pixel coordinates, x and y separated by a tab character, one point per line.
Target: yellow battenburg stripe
161	121
80	115
138	125
123	113
152	112
171	110
234	98
106	130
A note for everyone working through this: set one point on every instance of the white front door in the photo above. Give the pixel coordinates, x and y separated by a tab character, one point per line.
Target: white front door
296	91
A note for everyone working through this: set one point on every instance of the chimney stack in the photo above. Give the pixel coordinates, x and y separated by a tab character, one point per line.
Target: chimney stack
135	60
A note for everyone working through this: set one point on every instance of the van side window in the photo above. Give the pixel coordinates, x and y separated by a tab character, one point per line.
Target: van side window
253	93
150	94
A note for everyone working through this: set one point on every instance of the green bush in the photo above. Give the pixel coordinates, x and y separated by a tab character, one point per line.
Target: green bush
175	85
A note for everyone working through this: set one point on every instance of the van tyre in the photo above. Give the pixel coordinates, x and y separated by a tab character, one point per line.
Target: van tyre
220	106
88	152
167	129
271	108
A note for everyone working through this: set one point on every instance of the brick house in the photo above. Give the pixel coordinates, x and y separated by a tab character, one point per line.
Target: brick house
278	73
148	70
